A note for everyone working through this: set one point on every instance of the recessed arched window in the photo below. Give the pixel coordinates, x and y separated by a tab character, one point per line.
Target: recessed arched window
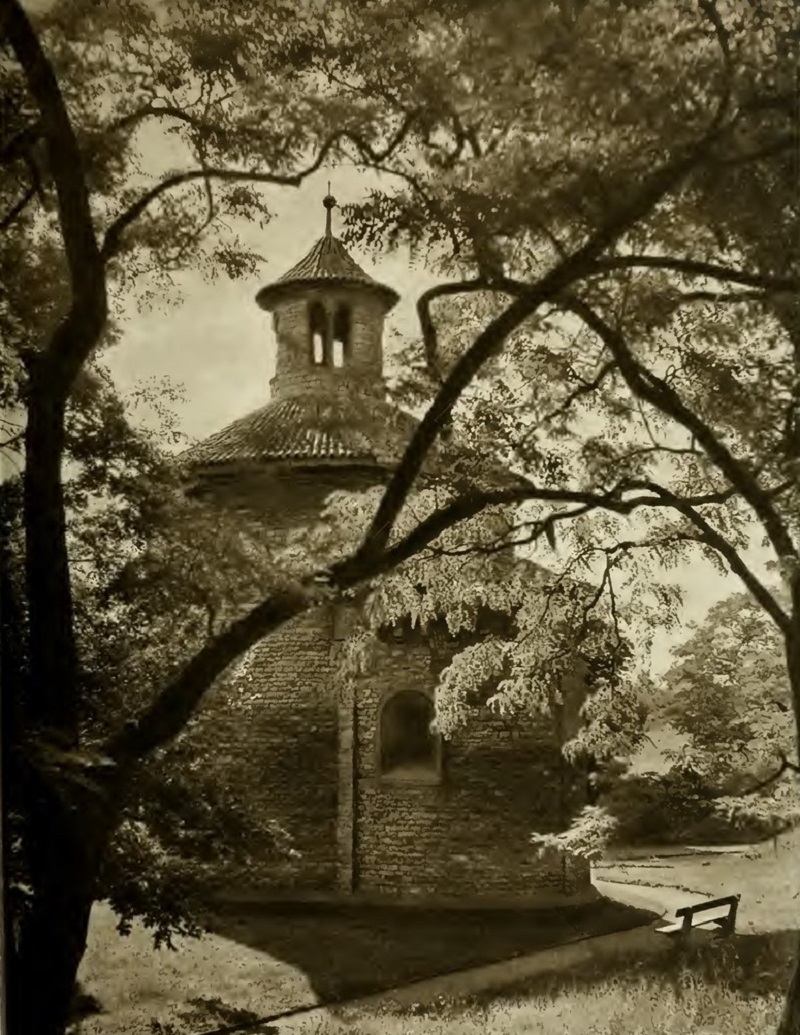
341	334
317	325
408	747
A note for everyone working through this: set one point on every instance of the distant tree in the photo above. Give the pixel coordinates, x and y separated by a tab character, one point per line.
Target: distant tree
727	694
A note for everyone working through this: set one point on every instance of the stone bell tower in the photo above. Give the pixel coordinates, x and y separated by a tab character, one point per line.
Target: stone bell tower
328	317
327	424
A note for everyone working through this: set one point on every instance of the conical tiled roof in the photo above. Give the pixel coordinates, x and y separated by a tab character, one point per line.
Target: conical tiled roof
327	262
309	428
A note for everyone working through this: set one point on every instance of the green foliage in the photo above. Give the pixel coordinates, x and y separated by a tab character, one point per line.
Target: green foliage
143	880
727	692
680	807
523	641
184	835
590	832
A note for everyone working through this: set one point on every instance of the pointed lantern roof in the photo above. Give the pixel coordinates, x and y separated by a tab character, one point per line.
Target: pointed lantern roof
328	264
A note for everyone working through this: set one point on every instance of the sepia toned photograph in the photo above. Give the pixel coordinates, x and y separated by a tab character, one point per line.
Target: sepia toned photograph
400	517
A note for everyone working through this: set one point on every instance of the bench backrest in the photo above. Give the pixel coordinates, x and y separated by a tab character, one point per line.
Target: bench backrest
729	900
729	923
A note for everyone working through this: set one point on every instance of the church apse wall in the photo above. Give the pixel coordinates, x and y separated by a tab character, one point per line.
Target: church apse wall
273	737
371	812
454	824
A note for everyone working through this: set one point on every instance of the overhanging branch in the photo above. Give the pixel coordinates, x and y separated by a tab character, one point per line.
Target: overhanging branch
470	505
114	234
711	537
696	268
176	702
654	390
179	698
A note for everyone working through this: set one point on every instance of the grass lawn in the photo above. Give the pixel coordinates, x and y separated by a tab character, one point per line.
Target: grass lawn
708	994
719	988
260	962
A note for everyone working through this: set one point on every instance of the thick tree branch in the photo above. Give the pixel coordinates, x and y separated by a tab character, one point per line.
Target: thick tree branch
654	390
711	537
176	702
696	268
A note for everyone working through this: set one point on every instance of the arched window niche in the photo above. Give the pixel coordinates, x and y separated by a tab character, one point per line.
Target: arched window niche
341	335
318	334
408	748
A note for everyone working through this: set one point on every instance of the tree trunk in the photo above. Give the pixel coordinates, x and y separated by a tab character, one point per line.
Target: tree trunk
51	693
51	945
67	829
790	1019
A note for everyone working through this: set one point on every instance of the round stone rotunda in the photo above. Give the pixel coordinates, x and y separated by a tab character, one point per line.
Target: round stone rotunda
374	805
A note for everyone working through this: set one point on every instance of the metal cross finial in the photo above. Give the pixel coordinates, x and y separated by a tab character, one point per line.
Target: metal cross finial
329	202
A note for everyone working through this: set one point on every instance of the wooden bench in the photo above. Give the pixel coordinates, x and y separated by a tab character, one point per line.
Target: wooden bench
720	914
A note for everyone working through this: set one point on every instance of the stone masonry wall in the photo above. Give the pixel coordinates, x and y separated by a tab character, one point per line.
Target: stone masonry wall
298	753
273	736
467	836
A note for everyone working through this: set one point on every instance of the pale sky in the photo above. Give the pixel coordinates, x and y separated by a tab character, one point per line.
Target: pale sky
217	341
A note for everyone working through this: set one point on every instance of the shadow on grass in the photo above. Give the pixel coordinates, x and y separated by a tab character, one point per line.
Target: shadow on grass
208	1016
350	951
757	965
732	986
